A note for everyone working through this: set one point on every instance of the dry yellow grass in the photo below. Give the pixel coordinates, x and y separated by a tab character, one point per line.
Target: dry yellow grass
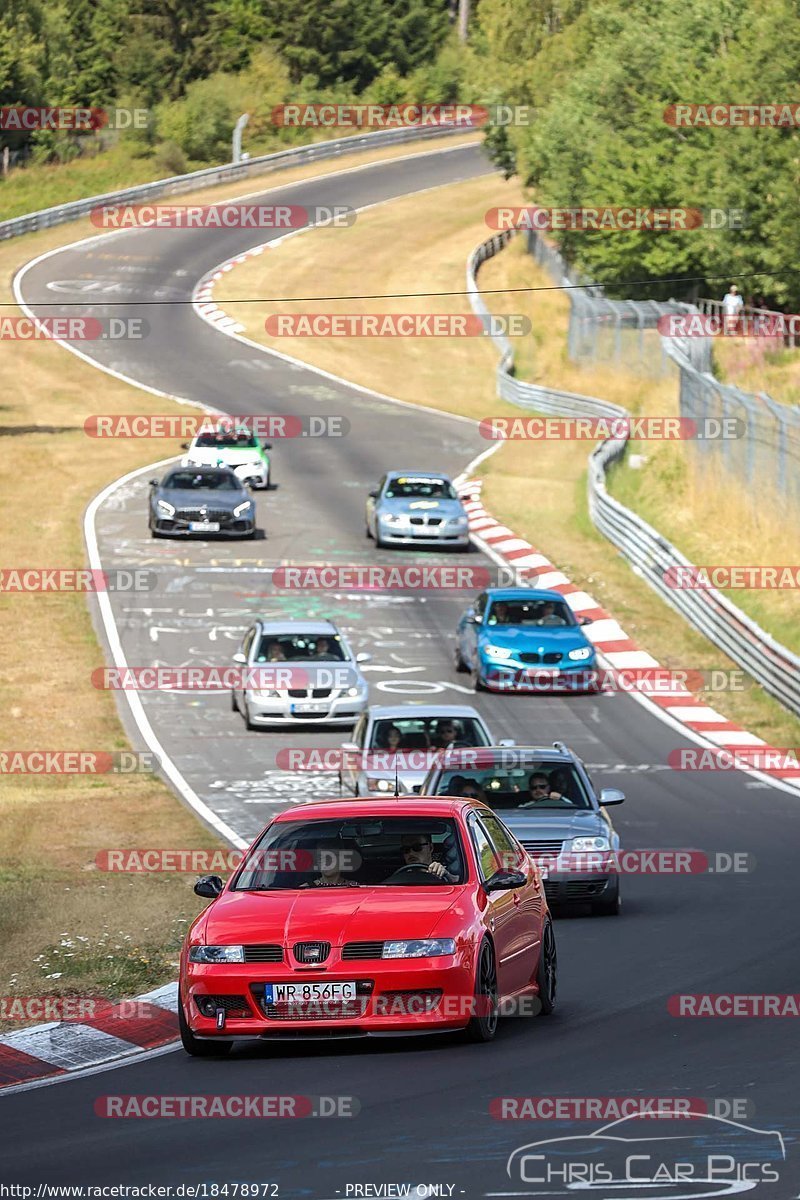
537	488
751	366
121	932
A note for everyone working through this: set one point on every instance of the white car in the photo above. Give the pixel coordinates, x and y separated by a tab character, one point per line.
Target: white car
394	746
320	655
243	452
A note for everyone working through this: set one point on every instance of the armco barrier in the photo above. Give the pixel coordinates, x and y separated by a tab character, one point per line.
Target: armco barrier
772	665
227	173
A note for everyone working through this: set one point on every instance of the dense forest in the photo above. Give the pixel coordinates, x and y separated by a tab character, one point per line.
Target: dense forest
596	75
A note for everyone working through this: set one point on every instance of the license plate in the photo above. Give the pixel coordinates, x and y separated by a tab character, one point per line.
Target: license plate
307	993
204	526
298	709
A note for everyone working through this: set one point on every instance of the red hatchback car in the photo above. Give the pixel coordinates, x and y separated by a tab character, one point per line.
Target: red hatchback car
369	917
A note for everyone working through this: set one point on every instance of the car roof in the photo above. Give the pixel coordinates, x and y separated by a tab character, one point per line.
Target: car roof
418	475
394	806
288	626
480	755
379	711
523	593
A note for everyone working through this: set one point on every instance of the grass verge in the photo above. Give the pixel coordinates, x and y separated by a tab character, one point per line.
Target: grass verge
537	488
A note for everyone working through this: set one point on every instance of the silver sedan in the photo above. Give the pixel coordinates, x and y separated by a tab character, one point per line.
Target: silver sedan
412	507
329	688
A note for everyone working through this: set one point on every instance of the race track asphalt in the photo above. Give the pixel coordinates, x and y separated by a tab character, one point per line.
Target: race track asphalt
424	1105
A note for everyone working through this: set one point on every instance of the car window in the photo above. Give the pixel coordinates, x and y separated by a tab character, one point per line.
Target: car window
227	441
535	613
516	783
480	606
487	858
419	487
368	851
507	849
214	481
426	733
307	647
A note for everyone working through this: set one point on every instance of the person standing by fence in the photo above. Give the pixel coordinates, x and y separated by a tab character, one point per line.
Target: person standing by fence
732	305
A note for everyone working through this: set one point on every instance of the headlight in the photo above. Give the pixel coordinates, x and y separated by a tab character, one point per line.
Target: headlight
394	518
582	844
264	695
241	508
499	652
380	785
168	510
581	654
216	954
457	521
420	948
353	691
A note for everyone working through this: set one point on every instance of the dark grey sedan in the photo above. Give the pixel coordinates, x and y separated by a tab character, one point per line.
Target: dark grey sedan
546	798
201	501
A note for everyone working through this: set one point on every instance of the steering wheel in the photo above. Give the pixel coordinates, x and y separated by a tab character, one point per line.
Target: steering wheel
420	869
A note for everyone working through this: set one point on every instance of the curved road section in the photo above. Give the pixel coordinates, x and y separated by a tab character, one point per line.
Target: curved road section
427	1111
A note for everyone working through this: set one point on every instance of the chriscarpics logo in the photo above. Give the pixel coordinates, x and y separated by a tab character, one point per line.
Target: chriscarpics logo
649	1157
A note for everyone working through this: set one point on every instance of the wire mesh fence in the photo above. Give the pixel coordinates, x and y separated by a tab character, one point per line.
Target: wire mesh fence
626	332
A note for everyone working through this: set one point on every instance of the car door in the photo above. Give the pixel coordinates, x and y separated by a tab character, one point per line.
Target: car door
525	924
469	630
247	646
501	909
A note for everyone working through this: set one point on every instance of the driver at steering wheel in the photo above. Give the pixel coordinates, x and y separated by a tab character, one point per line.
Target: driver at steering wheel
417	850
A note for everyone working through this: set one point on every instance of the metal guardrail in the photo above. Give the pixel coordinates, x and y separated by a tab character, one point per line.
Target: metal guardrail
772	665
209	176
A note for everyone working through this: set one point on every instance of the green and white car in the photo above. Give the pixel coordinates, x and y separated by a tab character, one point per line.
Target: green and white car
243	452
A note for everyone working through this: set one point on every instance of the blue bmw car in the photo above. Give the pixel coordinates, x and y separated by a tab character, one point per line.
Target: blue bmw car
523	639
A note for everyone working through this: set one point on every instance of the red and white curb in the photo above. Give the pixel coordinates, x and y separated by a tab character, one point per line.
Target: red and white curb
617	649
114	1032
203	298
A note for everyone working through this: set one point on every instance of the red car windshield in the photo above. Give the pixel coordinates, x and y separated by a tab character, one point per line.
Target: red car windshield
357	852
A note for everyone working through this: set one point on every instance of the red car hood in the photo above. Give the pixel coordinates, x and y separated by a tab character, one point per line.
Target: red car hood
334	915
